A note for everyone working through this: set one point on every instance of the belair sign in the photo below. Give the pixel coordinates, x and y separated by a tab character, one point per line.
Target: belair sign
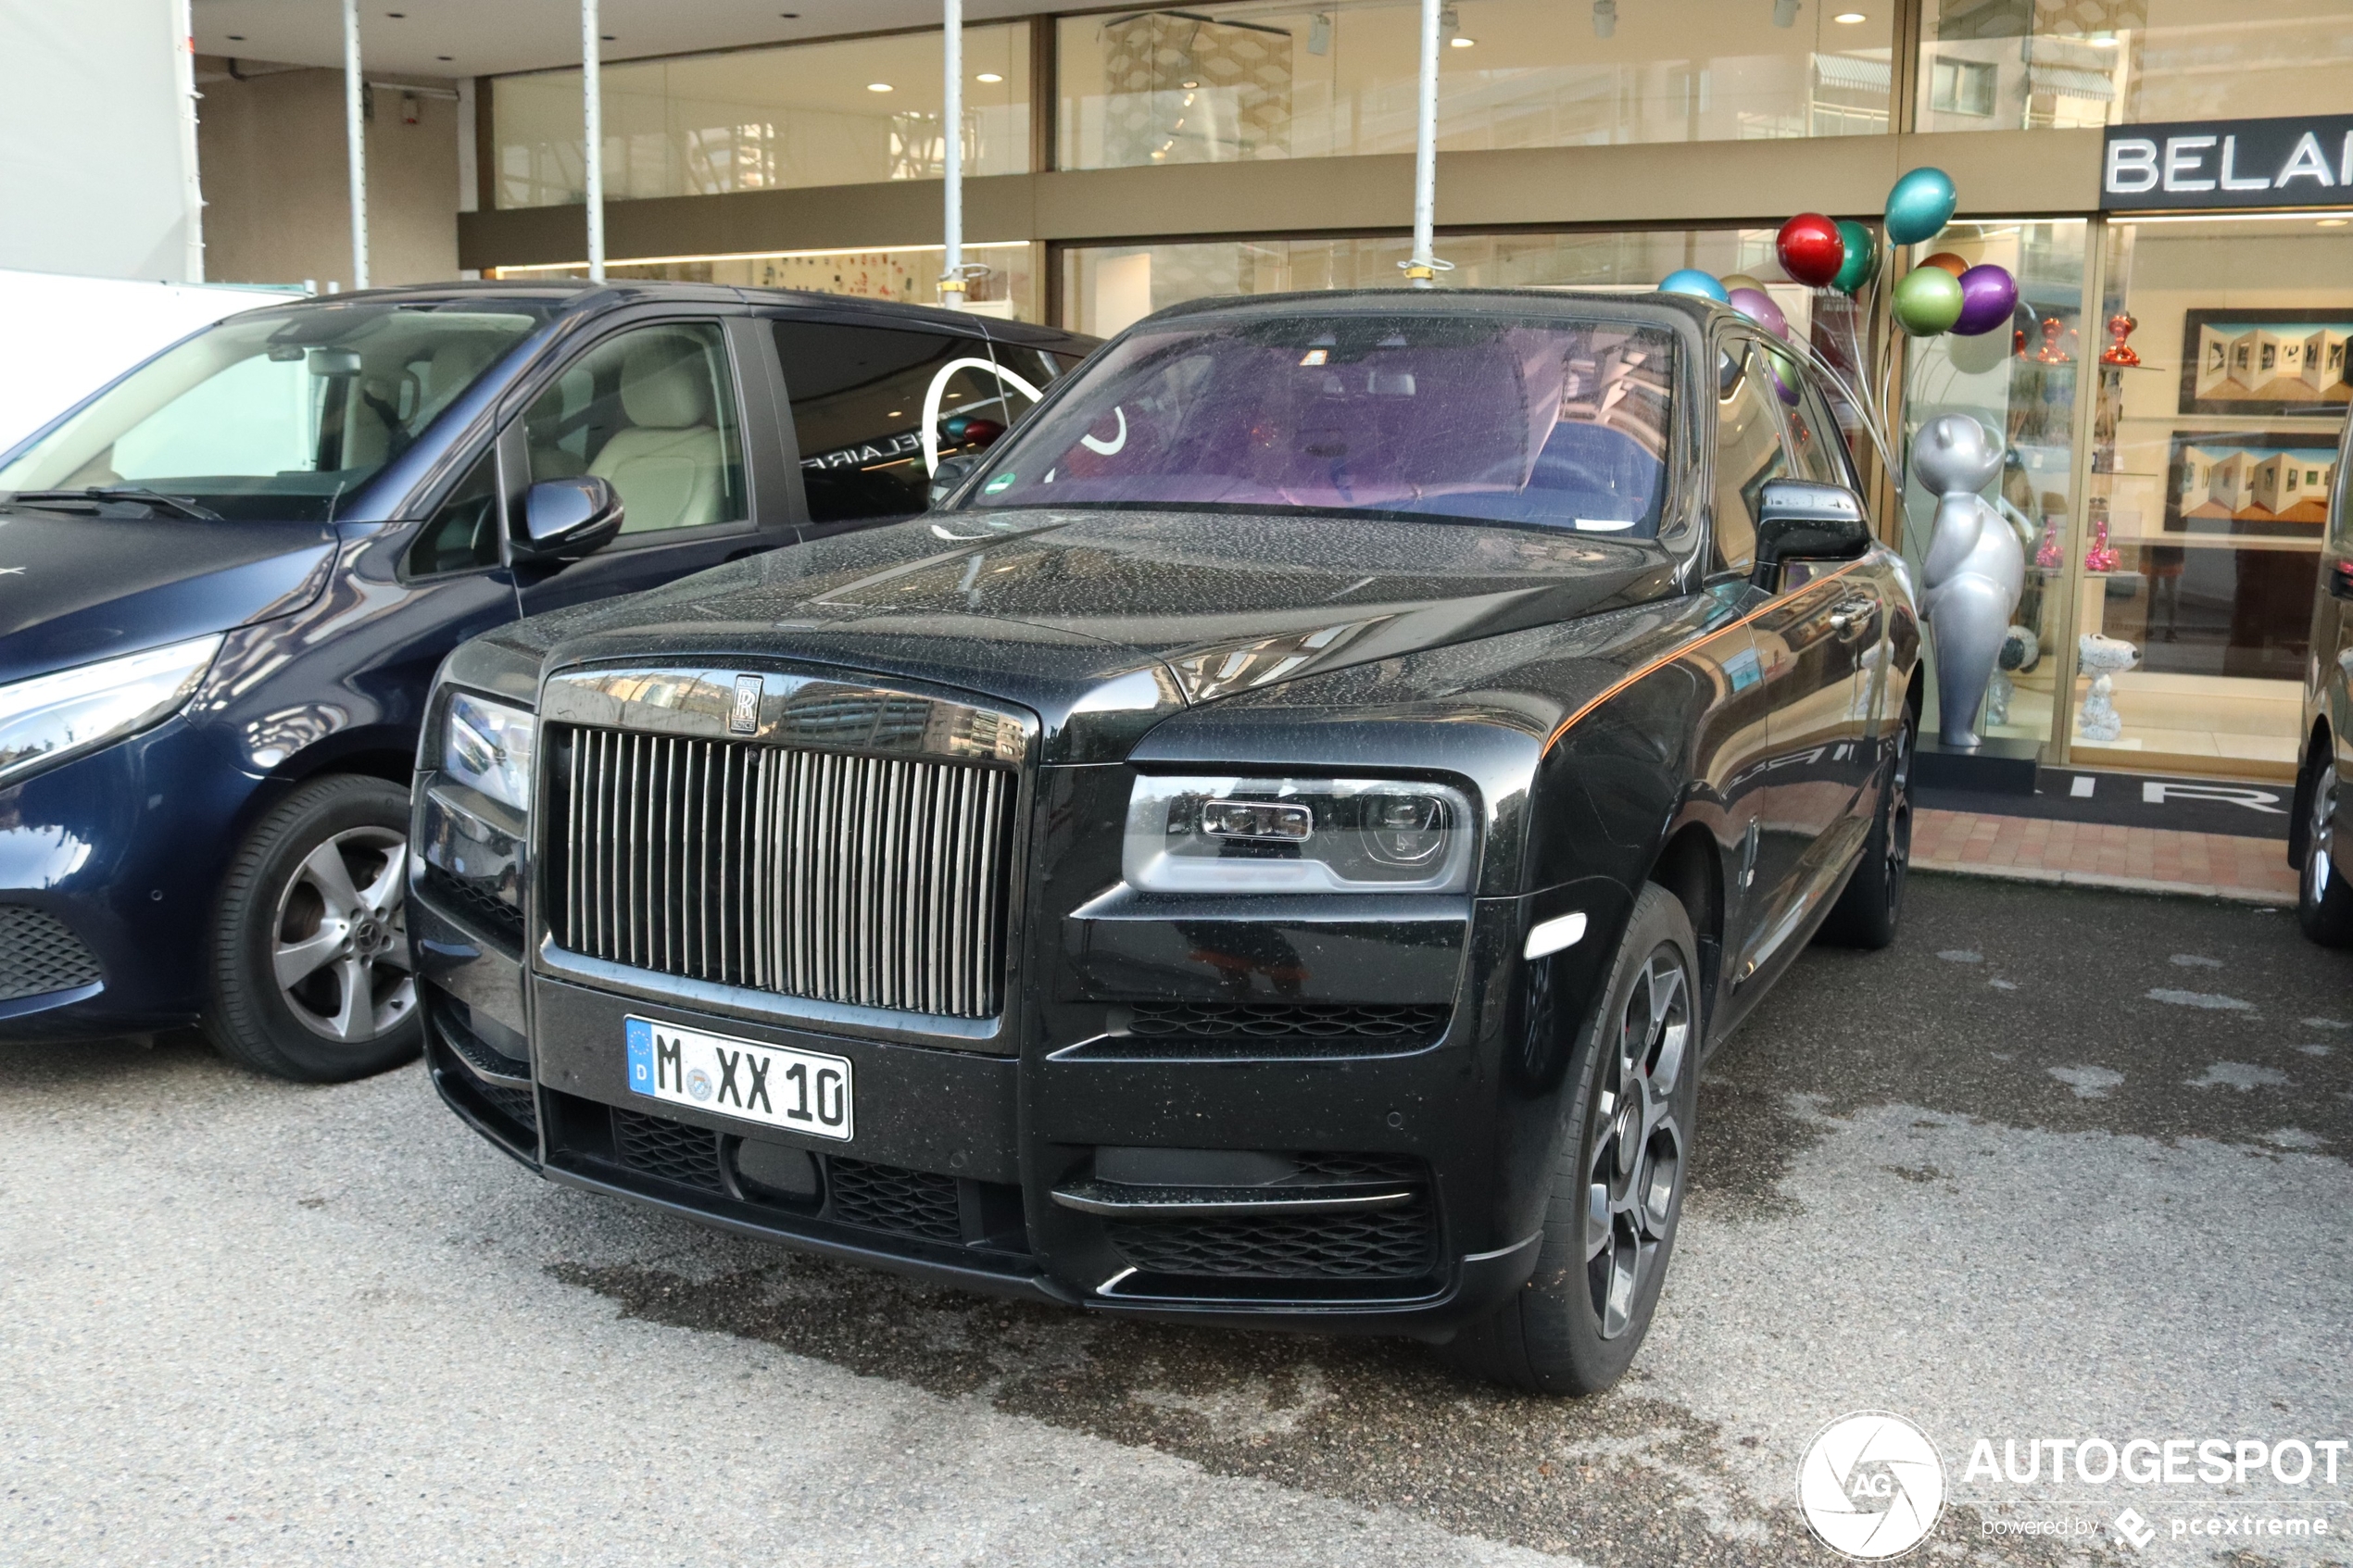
2306	160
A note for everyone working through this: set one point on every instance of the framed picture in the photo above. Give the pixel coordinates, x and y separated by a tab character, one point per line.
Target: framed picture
2276	362
2248	482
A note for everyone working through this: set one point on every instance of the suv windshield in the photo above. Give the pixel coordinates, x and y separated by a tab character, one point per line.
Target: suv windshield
1528	420
278	413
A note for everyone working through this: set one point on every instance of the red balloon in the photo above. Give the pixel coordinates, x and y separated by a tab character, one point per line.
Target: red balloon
1811	249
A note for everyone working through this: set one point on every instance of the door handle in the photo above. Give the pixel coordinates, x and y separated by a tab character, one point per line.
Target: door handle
1850	618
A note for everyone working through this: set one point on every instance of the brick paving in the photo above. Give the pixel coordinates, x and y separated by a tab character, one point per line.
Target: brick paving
2099	855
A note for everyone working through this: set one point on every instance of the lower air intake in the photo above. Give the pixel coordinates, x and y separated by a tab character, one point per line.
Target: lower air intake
39	955
1388	1244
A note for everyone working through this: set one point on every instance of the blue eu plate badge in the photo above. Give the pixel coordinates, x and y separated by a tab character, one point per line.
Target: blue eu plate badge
641	1057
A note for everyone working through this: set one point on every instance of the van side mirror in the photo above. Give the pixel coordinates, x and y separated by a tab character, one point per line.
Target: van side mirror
565	518
951	473
1801	520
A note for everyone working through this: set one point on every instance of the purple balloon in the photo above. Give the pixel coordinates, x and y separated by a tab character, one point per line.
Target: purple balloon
1758	307
1988	296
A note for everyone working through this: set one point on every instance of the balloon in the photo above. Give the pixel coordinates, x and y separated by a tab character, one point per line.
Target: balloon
1692	280
1988	296
1946	259
1928	300
1862	258
1740	281
1782	367
1810	249
1758	307
1921	203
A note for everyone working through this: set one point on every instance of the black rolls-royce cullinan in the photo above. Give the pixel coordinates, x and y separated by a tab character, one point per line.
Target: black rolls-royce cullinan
1272	846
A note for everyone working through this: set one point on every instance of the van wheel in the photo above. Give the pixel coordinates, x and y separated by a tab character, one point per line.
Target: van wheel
310	977
2323	896
1618	1186
1867	912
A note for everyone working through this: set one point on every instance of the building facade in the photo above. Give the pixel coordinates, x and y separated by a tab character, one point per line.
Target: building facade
2170	390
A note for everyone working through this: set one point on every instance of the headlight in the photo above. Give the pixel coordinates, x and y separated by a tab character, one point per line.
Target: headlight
486	745
1296	836
50	718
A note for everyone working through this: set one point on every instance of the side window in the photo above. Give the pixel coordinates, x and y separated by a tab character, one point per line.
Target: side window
653	410
2341	499
463	536
1748	452
857	399
1814	439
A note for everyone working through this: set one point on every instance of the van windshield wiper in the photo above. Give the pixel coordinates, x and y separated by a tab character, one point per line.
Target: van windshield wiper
155	498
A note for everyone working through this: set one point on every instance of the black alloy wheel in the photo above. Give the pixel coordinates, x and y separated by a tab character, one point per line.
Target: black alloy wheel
1868	911
2323	895
310	968
1618	1182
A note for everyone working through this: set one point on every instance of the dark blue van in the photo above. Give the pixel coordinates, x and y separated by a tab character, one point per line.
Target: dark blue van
226	580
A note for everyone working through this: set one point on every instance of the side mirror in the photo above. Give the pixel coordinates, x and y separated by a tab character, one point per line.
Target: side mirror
951	473
565	518
1801	520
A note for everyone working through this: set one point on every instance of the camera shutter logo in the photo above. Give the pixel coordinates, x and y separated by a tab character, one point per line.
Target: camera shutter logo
1872	1486
743	720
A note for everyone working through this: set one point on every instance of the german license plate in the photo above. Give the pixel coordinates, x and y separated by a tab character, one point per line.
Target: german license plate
801	1091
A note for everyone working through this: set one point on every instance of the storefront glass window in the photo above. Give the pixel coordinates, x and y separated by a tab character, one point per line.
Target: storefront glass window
845	113
2013	65
908	274
1221	83
2223	384
2019	382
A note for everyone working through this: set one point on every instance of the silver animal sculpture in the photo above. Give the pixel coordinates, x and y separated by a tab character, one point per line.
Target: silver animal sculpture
1975	570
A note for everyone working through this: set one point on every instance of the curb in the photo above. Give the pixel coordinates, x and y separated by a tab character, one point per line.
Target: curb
2049	877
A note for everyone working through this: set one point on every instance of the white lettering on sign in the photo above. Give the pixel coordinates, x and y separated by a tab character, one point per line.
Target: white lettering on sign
2308	162
2185	156
2231	181
2132	166
2155	793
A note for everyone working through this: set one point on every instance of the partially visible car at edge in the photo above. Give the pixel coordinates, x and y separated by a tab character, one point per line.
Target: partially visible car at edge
231	573
2322	824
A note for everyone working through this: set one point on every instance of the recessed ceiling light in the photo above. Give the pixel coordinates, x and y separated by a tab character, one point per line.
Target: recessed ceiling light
2106	40
397	15
1850	17
878	87
1189	86
2334	223
609	38
444	58
989	75
236	38
1459	42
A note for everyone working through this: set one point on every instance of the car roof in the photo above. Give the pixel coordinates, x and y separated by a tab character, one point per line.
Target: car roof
566	296
1579	304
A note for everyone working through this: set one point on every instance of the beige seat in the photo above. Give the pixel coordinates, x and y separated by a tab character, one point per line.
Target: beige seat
668	461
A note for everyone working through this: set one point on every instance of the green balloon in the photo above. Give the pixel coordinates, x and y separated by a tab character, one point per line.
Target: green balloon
1862	258
1928	301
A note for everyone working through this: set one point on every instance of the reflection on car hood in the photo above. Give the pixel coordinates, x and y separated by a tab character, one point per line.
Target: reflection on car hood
1046	608
76	588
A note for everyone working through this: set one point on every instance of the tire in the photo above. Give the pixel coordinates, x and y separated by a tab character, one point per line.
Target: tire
2323	894
1867	912
1575	1327
312	916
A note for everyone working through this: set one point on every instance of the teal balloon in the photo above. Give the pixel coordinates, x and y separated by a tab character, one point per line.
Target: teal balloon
1691	280
1862	258
1921	203
1928	301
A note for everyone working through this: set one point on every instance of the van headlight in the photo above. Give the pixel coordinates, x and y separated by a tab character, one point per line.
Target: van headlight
50	717
1239	835
486	745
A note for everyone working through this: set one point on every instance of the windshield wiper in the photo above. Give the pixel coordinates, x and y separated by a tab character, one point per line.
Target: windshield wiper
155	498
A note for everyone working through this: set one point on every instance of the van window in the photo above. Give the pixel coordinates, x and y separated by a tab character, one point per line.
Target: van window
653	410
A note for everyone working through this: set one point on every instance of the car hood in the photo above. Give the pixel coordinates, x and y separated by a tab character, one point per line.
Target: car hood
76	588
1114	613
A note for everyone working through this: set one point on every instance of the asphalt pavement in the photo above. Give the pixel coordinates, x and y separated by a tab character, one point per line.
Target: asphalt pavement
2063	1164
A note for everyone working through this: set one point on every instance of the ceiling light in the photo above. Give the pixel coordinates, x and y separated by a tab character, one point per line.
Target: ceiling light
236	38
444	58
2334	223
609	38
1189	86
989	75
397	15
1459	42
1850	17
1604	17
2104	41
878	87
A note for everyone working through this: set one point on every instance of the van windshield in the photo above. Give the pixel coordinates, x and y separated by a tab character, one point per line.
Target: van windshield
275	414
1546	420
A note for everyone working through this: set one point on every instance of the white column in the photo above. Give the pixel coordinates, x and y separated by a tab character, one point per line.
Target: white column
1421	272
592	105
183	75
355	127
951	119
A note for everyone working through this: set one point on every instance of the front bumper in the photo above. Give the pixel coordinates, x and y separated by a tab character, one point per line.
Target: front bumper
114	858
980	1169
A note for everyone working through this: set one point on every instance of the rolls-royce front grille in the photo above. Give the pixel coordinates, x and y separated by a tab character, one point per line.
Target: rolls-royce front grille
871	880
